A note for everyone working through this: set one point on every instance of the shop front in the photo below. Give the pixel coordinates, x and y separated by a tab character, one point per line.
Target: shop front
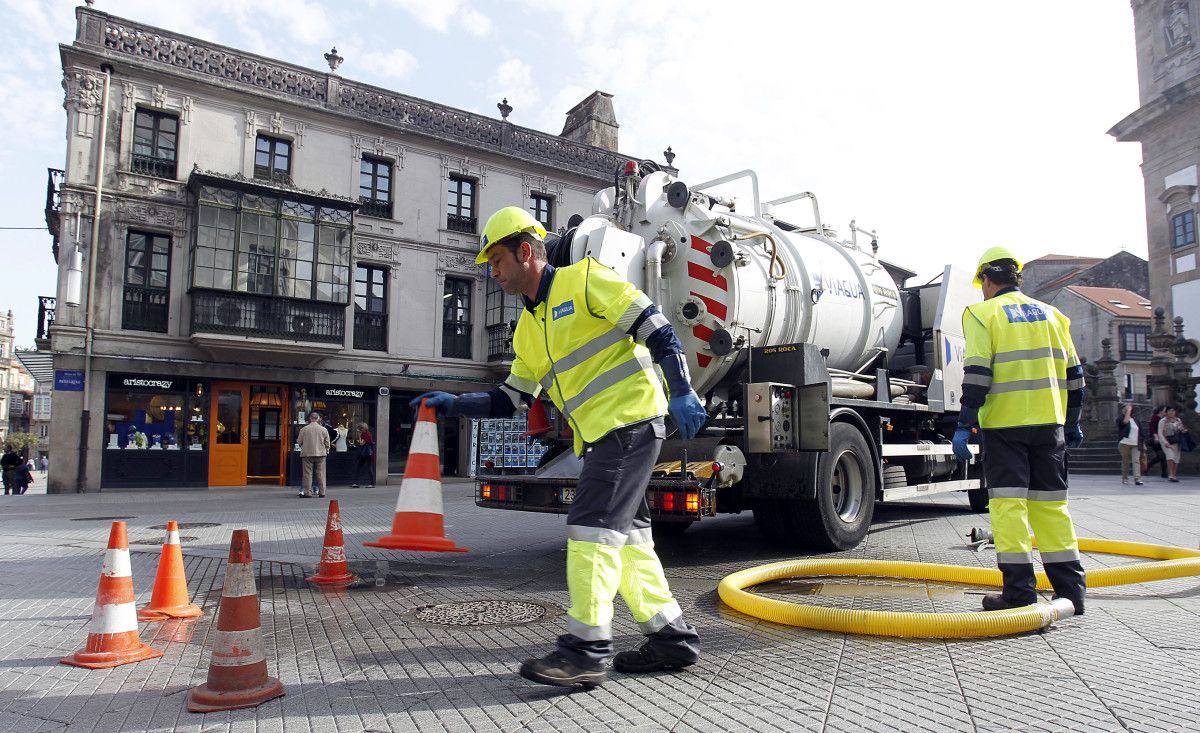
170	430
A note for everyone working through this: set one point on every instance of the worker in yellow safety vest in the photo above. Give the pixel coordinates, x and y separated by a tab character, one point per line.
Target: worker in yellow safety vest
1023	385
591	340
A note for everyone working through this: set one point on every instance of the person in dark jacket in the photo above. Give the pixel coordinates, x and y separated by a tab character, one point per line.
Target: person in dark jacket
1129	442
1157	455
8	464
364	462
22	477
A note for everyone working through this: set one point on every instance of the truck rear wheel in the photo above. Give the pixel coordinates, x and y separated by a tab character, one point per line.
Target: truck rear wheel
840	516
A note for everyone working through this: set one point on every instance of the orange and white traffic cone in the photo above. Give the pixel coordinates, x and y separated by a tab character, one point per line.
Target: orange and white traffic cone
170	596
536	421
237	675
333	570
418	523
113	637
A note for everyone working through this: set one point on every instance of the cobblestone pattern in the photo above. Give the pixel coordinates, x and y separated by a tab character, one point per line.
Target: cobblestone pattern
352	660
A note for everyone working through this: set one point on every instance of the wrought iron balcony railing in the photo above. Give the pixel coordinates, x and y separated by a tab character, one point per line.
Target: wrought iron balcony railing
376	208
456	340
46	309
54	181
151	166
220	311
145	309
370	331
456	223
499	339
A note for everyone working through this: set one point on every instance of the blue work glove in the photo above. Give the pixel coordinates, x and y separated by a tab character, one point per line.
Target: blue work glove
961	436
1073	434
441	402
688	414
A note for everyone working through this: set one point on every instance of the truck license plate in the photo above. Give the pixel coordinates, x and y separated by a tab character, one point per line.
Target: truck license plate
566	495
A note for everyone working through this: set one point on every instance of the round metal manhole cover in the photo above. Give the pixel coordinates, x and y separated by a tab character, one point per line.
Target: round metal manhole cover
99	519
190	525
480	613
159	540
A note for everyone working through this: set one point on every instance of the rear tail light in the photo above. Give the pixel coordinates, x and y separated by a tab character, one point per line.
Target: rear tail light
693	503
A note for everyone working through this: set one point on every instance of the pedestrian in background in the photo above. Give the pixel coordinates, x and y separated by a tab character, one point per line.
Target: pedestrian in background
1170	431
1129	440
364	462
22	476
1152	443
314	447
45	465
8	465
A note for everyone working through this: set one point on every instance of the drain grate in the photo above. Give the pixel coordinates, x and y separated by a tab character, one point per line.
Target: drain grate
99	519
480	613
190	525
159	540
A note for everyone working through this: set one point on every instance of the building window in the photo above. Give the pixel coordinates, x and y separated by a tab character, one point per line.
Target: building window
272	159
1128	391
155	135
456	319
370	308
501	311
460	205
542	208
1184	228
1133	343
147	278
271	246
375	187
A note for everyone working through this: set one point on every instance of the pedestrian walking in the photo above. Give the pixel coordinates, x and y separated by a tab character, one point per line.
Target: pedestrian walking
1170	434
45	463
22	476
364	462
1023	385
314	447
592	339
1152	443
1129	443
8	464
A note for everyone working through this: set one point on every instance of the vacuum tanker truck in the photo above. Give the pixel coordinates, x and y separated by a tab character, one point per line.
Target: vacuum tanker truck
829	382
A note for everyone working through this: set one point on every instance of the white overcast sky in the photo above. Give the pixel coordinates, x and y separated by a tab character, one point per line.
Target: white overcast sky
949	126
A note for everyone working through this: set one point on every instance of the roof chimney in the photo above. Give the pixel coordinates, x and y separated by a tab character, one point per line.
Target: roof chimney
593	122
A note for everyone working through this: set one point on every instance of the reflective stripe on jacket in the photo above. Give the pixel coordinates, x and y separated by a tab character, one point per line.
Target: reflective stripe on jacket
574	345
1020	362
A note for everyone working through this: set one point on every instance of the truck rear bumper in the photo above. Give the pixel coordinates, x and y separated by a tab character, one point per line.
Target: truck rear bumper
670	499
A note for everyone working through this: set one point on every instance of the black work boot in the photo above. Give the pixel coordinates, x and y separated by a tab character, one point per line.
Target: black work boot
997	602
647	658
555	669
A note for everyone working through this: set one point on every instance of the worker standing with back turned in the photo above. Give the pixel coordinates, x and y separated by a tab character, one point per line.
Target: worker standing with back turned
591	340
1023	384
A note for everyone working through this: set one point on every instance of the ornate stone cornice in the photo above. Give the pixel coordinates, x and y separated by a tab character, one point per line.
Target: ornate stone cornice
146	46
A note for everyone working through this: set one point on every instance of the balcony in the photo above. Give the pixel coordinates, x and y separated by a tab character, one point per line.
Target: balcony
145	309
46	308
370	331
150	166
276	329
54	182
499	338
376	208
456	340
456	223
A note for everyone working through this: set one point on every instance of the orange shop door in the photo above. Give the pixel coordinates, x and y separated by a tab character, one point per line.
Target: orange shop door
229	439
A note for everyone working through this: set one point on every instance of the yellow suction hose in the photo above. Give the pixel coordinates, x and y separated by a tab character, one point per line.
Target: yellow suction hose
1174	562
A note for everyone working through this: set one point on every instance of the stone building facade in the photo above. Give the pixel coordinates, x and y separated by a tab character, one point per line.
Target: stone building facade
273	241
1167	124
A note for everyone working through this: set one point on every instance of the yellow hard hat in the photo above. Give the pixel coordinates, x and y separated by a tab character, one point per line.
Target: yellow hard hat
503	224
991	255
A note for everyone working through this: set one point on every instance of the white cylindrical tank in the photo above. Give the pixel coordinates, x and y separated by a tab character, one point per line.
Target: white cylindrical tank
725	280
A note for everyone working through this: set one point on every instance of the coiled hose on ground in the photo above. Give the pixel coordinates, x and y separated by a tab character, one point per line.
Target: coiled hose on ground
1174	562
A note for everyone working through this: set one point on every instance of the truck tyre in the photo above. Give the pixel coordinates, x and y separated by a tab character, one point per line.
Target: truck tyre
840	516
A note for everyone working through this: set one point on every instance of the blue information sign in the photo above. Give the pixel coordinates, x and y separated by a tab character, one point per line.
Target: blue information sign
68	380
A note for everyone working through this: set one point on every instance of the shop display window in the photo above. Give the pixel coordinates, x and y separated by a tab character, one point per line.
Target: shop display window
141	420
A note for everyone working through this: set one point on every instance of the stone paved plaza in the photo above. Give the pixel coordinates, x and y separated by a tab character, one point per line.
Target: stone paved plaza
378	658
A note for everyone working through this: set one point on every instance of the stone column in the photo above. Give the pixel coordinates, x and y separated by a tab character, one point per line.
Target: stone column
1106	399
1162	371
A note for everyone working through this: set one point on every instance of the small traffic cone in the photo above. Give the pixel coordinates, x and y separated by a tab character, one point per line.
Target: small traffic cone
170	596
418	523
113	638
333	570
237	675
536	421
